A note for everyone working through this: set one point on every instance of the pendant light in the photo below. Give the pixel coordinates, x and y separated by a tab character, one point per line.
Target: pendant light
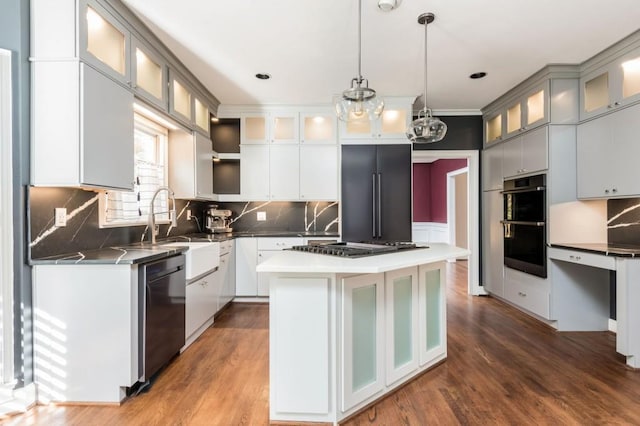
426	128
359	102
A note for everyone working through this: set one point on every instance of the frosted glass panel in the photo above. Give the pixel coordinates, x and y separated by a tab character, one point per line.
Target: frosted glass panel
181	99
494	128
394	121
317	129
105	42
596	92
148	74
202	115
255	128
402	331
535	107
631	77
514	118
433	317
359	127
364	336
284	128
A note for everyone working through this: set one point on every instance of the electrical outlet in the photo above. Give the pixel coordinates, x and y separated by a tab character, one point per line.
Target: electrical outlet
262	216
188	214
60	216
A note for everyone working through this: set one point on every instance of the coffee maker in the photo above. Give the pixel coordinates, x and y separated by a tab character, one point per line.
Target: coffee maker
217	221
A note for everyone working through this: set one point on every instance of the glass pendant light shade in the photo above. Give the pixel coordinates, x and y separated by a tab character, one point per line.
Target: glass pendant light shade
426	128
359	102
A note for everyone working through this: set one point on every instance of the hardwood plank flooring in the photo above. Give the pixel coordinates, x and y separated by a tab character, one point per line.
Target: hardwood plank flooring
503	367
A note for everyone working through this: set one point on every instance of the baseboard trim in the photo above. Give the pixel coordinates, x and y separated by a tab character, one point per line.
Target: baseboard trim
613	326
17	401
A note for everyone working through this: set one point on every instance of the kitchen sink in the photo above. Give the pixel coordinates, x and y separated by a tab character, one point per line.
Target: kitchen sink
200	258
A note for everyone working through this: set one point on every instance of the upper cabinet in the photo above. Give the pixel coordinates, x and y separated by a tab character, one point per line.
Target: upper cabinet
611	86
392	124
269	127
549	96
149	74
318	128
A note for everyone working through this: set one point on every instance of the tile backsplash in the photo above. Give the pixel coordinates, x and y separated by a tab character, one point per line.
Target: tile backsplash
84	233
623	221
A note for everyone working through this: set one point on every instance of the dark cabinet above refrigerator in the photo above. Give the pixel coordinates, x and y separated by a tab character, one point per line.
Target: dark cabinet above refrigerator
376	192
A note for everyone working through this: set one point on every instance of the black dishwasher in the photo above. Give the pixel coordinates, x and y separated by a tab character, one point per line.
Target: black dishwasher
162	293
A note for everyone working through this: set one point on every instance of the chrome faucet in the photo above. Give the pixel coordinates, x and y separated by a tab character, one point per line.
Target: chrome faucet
172	212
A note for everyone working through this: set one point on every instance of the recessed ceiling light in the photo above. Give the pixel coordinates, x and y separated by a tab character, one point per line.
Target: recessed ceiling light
263	76
477	75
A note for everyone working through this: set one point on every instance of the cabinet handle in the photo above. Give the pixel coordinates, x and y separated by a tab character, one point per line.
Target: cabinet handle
616	103
606	191
614	190
609	106
522	294
204	283
578	258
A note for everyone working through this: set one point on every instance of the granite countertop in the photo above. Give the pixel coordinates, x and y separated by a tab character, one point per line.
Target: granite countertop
147	252
617	250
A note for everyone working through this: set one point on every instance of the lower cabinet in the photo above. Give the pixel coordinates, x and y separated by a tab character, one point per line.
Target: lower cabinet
201	305
493	243
226	274
528	292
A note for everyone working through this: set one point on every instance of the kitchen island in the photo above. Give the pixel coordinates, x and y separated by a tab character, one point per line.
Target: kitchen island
345	332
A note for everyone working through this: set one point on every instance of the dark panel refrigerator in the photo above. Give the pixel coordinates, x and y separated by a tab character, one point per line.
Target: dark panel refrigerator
376	192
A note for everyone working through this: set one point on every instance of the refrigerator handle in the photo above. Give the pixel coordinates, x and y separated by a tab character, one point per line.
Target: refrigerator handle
373	207
379	206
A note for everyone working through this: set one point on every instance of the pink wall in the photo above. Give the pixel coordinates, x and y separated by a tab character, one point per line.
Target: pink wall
430	189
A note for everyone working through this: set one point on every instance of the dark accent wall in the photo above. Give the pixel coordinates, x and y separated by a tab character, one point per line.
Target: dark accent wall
430	189
464	132
14	36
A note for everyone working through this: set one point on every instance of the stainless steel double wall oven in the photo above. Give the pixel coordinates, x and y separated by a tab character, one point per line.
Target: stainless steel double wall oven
525	226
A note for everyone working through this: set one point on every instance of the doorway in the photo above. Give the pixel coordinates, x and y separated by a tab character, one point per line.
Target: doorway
473	208
458	207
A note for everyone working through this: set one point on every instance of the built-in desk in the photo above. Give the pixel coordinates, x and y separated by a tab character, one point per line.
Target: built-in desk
580	276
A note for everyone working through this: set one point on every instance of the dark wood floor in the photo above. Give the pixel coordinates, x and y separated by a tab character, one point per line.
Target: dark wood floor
502	368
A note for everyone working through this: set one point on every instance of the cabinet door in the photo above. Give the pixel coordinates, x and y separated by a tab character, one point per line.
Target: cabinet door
246	261
200	304
201	116
394	192
492	168
149	75
393	123
222	285
535	107
254	172
625	152
593	157
284	128
106	132
433	313
401	318
512	157
254	128
104	41
318	128
204	167
263	277
493	244
180	99
284	172
628	69
358	192
493	128
534	150
361	338
318	172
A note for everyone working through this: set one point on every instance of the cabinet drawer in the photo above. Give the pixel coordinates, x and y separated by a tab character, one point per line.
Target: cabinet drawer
278	243
583	258
527	296
226	246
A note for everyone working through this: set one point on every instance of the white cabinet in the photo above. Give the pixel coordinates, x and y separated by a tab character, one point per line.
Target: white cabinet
149	74
432	314
401	322
319	171
254	172
318	128
527	112
246	261
493	243
226	274
268	247
200	305
269	127
528	292
392	124
492	175
190	165
525	154
611	86
607	154
284	172
82	128
362	338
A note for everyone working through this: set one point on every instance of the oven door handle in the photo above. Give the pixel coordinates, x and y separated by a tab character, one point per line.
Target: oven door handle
521	222
521	190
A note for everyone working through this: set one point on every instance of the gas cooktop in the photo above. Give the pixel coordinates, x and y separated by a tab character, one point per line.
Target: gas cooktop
353	250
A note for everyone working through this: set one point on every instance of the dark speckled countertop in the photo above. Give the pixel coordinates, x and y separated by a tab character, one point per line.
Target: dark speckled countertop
146	252
602	248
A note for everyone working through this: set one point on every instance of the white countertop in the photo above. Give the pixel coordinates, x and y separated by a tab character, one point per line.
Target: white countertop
300	262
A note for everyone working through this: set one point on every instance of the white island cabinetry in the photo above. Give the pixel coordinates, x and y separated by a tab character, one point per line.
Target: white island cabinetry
345	332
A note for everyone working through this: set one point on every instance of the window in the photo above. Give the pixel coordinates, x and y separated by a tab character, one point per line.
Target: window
125	208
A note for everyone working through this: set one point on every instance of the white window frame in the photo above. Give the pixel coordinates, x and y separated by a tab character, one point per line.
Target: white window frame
162	217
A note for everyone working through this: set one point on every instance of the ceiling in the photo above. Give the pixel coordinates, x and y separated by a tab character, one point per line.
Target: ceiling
310	48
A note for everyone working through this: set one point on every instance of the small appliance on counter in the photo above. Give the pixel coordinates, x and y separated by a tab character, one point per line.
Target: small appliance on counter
217	221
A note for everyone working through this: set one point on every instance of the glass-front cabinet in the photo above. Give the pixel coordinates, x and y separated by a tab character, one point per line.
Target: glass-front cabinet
527	112
273	127
149	74
318	128
493	129
180	99
432	313
392	124
105	42
612	86
201	120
